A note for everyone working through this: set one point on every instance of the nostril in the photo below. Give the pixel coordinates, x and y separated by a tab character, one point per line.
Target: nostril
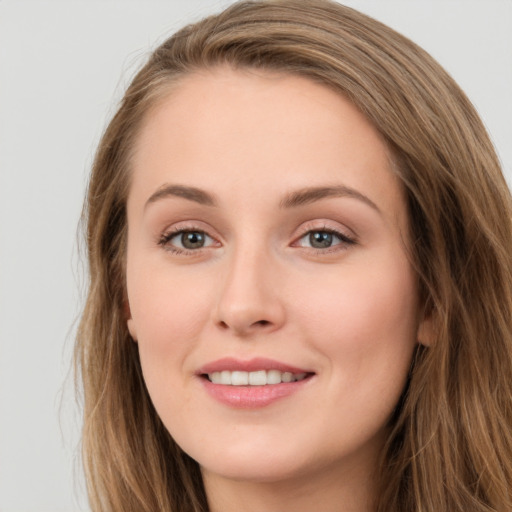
259	323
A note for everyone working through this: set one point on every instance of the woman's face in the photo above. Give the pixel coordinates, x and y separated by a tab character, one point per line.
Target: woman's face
266	237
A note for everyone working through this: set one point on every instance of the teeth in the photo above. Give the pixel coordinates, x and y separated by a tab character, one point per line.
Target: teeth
273	377
239	378
258	378
287	377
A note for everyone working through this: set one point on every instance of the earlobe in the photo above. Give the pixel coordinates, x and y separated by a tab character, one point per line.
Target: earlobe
129	321
132	330
426	331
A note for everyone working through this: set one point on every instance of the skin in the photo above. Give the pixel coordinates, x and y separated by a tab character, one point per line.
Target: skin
348	312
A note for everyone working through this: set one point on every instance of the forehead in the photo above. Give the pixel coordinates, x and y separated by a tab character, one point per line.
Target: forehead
236	131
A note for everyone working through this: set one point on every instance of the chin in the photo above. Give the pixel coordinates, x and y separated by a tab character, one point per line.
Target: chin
251	461
258	470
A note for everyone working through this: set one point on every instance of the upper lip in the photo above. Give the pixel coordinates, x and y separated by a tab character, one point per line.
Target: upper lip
251	365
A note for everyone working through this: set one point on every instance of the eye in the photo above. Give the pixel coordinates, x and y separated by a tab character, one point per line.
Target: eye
324	239
186	240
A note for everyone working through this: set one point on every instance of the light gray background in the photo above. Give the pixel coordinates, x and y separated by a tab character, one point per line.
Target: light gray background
63	66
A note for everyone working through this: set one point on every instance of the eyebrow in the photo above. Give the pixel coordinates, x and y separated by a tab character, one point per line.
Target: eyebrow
191	193
311	194
294	199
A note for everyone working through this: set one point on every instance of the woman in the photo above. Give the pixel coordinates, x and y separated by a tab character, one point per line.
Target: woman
301	292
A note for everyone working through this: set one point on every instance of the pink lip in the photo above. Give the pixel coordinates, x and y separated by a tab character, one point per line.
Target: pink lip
259	363
250	397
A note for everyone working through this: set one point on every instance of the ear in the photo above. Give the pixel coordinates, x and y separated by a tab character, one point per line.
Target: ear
129	320
426	331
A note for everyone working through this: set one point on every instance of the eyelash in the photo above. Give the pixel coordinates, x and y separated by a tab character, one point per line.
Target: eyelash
166	237
345	240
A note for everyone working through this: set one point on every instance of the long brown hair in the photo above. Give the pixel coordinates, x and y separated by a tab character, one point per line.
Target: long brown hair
451	443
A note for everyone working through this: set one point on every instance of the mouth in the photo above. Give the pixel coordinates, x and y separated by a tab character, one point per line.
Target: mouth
254	378
252	384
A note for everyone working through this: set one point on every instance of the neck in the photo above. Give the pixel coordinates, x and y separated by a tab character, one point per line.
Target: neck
330	491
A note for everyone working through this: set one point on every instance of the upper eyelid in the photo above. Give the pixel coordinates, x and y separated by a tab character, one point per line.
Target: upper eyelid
326	225
344	238
171	233
184	226
300	232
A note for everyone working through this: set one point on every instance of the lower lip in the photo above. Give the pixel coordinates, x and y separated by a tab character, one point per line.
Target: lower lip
252	397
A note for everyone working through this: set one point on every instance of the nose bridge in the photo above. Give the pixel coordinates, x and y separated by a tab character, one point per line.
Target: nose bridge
249	299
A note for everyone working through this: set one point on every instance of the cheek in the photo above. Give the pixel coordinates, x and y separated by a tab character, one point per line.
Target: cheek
169	327
364	322
166	306
168	314
365	328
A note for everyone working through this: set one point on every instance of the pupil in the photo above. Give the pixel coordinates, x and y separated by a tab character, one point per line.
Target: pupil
192	240
320	239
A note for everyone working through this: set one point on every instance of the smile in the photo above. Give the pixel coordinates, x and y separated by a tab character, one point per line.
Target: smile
252	384
256	378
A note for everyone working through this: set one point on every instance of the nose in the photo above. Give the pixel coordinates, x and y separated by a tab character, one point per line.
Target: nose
249	299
